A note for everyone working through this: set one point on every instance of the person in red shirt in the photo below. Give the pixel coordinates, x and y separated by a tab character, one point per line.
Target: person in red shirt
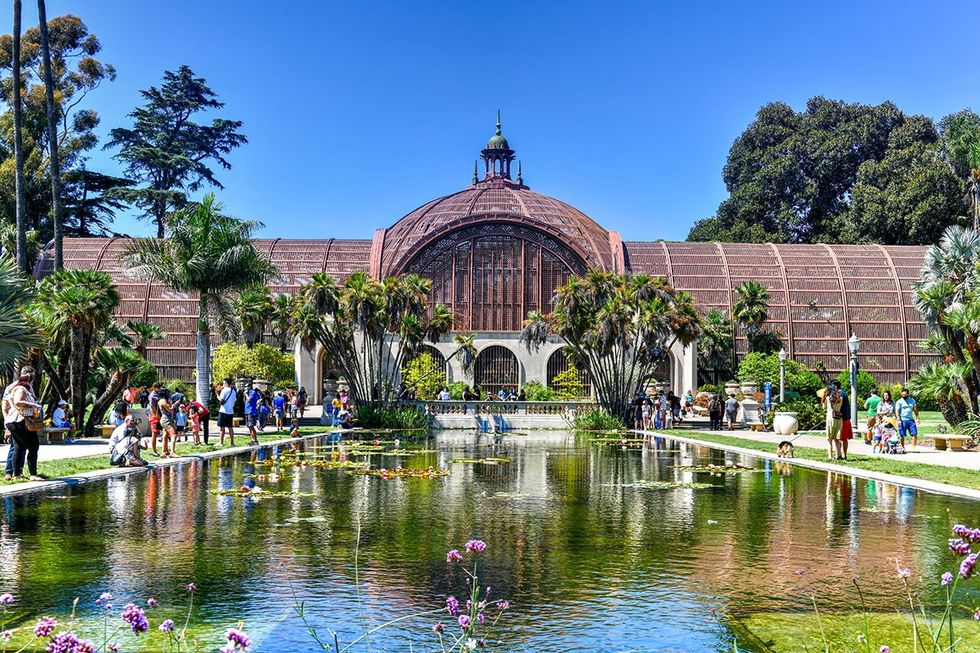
200	416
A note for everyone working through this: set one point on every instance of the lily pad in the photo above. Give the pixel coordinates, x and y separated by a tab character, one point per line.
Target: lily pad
667	485
481	461
400	472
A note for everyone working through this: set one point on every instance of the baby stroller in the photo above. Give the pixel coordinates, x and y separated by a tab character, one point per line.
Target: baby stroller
890	441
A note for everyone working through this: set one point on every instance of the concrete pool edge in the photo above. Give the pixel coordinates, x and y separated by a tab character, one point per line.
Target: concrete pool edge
908	481
111	472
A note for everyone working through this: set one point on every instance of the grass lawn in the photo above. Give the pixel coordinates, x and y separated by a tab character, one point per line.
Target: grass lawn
67	467
929	421
937	473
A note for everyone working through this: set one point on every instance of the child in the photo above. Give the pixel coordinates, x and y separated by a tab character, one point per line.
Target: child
294	424
263	415
181	417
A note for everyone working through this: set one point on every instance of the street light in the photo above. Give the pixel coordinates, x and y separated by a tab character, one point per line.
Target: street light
782	375
854	345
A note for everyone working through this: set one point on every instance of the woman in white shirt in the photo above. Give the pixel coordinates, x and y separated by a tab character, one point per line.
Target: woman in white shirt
20	405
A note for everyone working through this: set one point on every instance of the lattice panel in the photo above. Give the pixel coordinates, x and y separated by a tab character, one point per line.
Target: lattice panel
495	368
558	364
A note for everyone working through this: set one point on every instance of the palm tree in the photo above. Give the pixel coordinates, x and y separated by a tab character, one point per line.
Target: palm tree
465	351
16	333
52	112
21	211
280	323
75	307
947	384
143	333
253	308
715	344
114	367
751	310
207	253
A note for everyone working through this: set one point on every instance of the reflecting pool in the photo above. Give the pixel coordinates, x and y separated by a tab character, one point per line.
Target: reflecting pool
592	555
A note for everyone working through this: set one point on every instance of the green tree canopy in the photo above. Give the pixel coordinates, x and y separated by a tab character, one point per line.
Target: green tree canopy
835	172
166	151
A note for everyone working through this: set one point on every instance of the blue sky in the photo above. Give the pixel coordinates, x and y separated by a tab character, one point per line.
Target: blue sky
357	112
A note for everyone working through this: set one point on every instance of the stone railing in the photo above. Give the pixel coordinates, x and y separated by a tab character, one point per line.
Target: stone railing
455	407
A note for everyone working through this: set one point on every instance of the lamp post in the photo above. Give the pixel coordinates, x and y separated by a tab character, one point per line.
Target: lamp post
854	345
782	375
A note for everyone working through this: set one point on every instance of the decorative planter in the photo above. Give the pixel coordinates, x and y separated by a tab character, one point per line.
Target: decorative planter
785	424
749	388
731	388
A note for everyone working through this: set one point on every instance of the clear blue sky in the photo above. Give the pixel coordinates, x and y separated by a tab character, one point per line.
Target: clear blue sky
357	112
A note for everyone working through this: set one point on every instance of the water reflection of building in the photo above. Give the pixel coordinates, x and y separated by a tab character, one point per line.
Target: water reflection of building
496	250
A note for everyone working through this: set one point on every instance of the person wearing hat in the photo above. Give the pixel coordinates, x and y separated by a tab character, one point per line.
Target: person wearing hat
59	419
125	444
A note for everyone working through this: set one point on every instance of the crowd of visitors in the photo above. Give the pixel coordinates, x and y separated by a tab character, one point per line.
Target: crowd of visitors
661	410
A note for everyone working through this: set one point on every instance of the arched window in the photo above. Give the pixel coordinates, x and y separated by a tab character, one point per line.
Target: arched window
495	368
558	364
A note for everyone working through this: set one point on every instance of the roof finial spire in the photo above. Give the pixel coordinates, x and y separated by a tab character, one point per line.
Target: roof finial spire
475	177
498	122
520	177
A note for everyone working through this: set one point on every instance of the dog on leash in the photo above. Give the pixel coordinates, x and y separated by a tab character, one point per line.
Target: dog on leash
785	449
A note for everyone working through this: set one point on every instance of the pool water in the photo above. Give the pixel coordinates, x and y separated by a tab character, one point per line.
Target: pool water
590	555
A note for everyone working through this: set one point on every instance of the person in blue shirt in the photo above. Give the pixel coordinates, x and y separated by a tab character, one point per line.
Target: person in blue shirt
252	398
279	408
907	413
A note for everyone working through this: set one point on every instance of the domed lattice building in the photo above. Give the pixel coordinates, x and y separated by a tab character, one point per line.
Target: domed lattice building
497	250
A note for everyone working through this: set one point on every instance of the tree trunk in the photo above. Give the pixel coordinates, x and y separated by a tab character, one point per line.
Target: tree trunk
52	137
77	375
21	210
203	353
117	382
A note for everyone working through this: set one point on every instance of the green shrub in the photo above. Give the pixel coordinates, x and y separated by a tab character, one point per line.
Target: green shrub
865	383
596	420
536	391
456	390
392	417
809	414
568	384
146	375
425	375
183	387
765	367
258	361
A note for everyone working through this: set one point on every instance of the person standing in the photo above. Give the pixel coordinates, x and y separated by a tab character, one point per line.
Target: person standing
154	401
252	399
168	422
226	412
846	430
302	397
21	405
832	401
279	410
715	412
200	418
731	411
143	397
907	413
871	406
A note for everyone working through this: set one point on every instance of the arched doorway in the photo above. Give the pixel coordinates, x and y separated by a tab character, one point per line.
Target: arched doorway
330	378
425	372
558	365
495	368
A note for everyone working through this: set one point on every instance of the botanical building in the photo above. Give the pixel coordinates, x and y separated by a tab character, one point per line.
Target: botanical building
496	250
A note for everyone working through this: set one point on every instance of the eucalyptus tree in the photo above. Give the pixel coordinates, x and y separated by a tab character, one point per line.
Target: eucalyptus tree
961	149
619	328
208	253
751	310
53	157
19	208
368	328
17	334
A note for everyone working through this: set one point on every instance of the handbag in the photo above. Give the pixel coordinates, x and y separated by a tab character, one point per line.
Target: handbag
33	424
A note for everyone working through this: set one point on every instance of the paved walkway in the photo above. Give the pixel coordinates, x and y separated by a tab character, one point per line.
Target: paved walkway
925	453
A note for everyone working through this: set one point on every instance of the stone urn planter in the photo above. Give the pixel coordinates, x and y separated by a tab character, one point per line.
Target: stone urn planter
785	423
749	388
731	388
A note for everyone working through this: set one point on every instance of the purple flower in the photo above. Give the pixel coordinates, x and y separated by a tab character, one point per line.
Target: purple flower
152	602
503	605
976	616
167	626
971	534
112	646
191	587
800	571
68	642
884	648
904	573
454	556
6	598
227	649
105	596
238	638
966	568
439	628
45	627
476	546
959	546
452	604
6	635
947	578
464	621
136	618
480	617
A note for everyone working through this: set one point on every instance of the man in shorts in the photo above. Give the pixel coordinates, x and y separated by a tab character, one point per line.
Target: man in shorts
907	413
252	399
831	399
871	406
226	412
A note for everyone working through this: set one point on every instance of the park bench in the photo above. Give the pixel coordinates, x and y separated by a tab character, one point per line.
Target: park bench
949	442
104	430
52	433
236	421
757	426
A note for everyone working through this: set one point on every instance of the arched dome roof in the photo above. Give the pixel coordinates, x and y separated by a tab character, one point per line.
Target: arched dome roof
493	204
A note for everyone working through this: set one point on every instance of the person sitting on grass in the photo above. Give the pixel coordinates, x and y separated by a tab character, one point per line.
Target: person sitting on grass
125	444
